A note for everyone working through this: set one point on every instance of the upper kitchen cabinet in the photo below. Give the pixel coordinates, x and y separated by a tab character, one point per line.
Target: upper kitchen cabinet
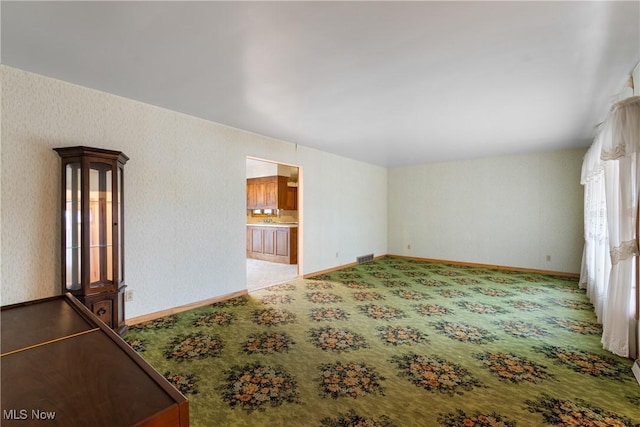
291	199
271	192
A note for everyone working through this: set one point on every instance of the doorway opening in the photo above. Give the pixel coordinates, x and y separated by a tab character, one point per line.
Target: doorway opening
273	220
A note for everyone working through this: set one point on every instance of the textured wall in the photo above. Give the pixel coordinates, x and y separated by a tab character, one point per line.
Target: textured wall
510	211
184	194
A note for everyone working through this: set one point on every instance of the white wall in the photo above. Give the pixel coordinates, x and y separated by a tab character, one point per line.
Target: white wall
184	194
509	211
259	168
628	90
344	228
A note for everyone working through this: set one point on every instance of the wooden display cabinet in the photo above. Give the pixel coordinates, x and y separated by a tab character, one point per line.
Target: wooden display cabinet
93	230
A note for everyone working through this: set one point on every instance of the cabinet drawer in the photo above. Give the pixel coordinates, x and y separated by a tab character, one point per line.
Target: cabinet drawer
103	310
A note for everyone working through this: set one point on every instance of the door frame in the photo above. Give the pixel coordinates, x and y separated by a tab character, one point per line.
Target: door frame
300	271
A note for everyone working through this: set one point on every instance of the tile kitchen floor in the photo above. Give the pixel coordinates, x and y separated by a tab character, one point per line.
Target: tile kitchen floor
261	274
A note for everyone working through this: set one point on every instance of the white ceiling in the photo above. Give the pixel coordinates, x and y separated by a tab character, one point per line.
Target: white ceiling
389	83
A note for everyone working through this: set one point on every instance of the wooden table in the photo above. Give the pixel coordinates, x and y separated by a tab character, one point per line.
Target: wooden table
60	365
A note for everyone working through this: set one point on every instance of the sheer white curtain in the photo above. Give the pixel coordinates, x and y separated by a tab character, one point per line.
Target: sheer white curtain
596	262
620	150
614	183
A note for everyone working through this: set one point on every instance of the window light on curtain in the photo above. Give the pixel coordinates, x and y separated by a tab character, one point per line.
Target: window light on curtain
611	179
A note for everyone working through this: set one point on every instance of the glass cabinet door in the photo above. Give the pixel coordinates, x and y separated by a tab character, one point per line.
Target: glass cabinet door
73	226
100	225
119	225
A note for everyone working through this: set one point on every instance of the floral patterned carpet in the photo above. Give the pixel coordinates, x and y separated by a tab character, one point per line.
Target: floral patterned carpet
396	342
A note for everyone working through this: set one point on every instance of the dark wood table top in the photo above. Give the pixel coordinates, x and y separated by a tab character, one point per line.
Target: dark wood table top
58	361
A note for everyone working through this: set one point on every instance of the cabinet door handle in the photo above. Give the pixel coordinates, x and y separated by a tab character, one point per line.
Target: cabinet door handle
101	311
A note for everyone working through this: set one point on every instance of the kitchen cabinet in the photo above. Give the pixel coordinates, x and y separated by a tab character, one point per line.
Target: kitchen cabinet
271	192
273	243
292	199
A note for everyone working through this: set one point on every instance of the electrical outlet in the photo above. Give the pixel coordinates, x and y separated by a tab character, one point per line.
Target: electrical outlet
548	258
409	247
128	295
337	254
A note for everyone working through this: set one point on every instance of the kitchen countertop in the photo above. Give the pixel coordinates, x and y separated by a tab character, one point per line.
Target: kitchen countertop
274	224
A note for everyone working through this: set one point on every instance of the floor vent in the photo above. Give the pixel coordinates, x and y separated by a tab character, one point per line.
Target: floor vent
364	258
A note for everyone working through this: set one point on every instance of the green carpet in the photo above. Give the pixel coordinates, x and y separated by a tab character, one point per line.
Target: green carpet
396	342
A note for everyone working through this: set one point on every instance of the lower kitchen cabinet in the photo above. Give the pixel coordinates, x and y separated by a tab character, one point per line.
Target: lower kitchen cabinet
272	243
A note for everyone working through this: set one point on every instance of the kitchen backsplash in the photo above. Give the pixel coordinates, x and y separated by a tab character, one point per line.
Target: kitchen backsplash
282	216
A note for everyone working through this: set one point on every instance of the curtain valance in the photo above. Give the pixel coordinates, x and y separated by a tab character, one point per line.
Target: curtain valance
621	132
